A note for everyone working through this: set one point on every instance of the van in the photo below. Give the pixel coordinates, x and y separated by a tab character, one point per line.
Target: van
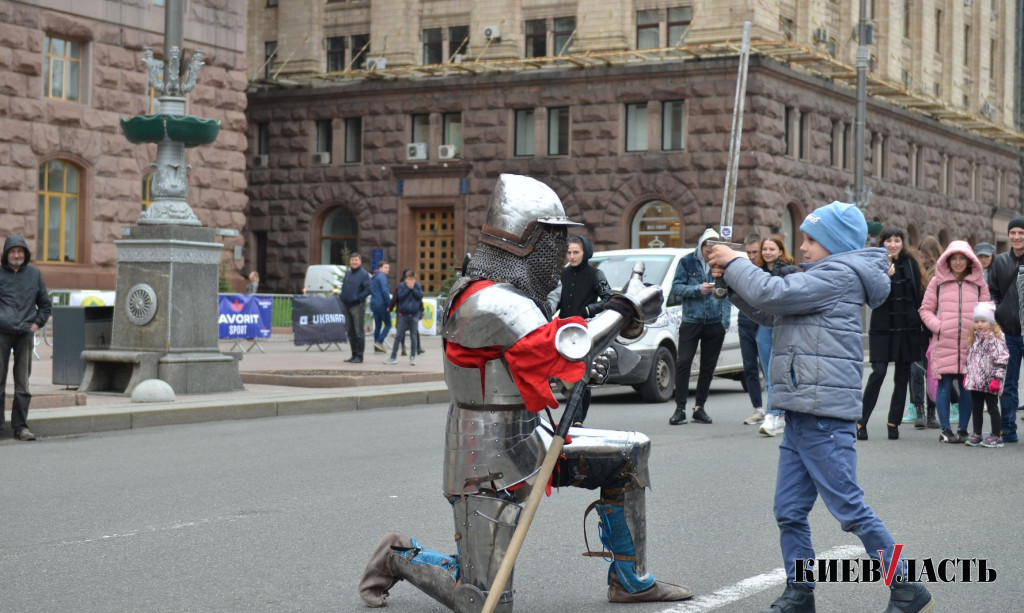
324	279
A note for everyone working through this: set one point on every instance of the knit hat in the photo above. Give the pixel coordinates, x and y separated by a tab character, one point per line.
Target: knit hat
838	227
985	249
1016	222
986	311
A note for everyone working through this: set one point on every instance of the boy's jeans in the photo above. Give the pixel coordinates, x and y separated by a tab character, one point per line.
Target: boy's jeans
942	402
381	323
748	351
817	458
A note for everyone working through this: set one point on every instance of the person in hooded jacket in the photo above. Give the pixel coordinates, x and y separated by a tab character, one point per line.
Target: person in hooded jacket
705	321
584	292
24	309
947	309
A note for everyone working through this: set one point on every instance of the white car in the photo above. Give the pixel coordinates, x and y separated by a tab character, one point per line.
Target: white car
655	376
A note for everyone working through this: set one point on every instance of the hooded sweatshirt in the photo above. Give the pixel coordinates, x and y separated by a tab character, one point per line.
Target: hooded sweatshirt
585	289
691	272
818	353
23	297
947	309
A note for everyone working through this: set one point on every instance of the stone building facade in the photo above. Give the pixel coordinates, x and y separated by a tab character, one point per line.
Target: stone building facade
381	139
70	180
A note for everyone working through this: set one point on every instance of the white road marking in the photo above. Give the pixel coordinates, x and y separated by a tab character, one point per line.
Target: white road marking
155	529
752	585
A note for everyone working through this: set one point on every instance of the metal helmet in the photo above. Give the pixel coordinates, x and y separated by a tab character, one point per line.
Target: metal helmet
520	208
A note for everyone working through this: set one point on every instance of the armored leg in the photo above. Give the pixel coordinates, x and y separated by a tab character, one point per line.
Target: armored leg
400	557
484	526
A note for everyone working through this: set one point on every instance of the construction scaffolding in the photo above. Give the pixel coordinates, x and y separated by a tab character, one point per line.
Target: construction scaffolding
792	54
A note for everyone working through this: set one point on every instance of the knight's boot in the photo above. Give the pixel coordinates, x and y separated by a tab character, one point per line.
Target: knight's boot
623	532
400	557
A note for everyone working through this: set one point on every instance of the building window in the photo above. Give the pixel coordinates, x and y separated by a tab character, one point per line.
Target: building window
262	138
432	46
62	65
950	166
974	181
883	144
58	211
802	137
787	27
147	190
421	129
558	131
339	237
458	43
451	127
269	2
938	31
647	28
536	38
524	131
907	6
335	53
846	144
967	46
787	131
656	224
673	125
269	54
353	140
323	141
679	24
359	50
636	127
564	33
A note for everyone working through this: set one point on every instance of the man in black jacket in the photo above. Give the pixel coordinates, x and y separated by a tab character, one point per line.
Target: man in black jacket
585	292
24	308
1002	285
354	291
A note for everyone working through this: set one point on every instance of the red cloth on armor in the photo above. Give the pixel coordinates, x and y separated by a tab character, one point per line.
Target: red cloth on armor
531	360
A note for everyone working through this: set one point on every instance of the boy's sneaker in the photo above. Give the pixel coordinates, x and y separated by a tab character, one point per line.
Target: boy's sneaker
992	442
768	425
1010	438
962	435
756	418
947	436
412	361
974	440
390	361
798	598
910	598
776	427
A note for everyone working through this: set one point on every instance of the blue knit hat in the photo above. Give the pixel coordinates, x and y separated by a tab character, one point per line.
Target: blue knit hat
838	227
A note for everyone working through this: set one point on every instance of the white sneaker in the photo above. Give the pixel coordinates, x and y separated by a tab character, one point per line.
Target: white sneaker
412	361
754	419
390	361
778	425
768	426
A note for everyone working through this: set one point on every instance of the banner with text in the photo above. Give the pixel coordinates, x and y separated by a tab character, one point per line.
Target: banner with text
241	316
317	320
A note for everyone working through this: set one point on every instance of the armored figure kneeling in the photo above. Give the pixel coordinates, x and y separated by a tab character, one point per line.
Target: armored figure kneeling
501	347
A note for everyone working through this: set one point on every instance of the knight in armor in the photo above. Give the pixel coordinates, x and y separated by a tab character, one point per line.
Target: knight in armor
501	348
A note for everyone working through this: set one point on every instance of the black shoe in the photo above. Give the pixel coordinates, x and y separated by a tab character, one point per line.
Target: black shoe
679	417
947	436
351	359
933	422
420	352
894	432
862	432
962	435
355	360
700	416
910	598
797	598
24	435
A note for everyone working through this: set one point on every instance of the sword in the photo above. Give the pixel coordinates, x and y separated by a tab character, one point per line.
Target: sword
721	291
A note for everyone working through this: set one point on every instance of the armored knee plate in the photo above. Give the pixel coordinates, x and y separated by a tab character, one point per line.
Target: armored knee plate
484	527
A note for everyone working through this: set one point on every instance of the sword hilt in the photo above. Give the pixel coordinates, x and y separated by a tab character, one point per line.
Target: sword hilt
721	291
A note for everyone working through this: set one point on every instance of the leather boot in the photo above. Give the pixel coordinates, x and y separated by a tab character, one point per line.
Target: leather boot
933	421
922	420
659	592
379	576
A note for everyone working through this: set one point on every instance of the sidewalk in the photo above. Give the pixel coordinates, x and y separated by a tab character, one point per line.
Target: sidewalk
285	380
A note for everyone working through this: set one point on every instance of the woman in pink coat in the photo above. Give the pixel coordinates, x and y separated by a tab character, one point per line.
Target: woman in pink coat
947	309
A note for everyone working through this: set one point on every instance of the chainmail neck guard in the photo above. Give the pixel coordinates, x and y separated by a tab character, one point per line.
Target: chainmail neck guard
535	275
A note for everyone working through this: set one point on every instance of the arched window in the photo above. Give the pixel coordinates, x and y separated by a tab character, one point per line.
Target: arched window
791	228
58	211
338	237
656	224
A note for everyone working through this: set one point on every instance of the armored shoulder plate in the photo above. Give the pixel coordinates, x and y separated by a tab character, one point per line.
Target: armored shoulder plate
498	315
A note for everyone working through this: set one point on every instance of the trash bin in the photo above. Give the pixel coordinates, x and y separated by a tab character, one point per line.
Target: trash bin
75	329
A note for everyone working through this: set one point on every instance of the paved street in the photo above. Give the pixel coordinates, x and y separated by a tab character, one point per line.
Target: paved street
280	514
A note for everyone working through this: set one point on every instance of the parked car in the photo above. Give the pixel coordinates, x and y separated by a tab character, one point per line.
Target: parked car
324	279
655	376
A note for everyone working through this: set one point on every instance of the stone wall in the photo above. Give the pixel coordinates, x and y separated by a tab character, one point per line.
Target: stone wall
34	129
599	183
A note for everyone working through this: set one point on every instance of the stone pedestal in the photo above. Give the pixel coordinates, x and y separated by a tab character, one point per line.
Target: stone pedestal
165	318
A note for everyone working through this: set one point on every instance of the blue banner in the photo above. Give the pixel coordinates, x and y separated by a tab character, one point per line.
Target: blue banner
241	316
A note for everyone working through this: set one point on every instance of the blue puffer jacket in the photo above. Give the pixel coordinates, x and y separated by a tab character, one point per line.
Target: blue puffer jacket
410	299
691	271
818	361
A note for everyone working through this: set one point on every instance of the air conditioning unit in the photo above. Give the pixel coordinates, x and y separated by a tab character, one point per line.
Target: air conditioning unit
260	161
416	151
376	63
447	152
322	158
492	32
821	35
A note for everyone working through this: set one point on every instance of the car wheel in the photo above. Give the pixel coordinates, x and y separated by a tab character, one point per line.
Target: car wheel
661	383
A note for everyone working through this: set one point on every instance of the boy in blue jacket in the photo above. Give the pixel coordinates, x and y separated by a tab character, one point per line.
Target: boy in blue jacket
816	373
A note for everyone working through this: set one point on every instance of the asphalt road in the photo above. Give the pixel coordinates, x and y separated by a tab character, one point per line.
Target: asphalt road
281	514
